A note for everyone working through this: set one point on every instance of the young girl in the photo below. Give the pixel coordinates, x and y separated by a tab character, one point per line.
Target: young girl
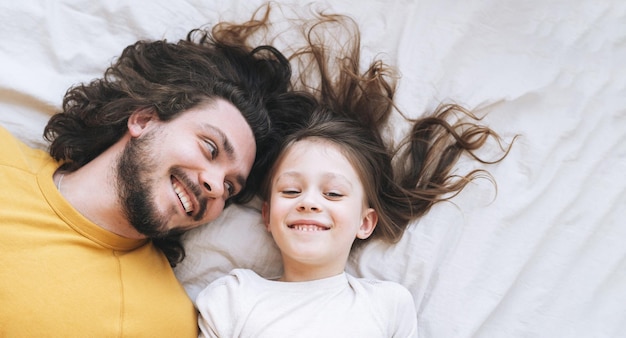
335	184
319	200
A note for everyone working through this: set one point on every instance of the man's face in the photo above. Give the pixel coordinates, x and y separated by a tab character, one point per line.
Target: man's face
178	174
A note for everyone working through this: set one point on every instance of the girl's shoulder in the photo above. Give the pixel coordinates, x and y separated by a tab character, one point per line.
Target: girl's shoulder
385	290
391	303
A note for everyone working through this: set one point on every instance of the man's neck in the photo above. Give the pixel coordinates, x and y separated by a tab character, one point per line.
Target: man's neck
92	191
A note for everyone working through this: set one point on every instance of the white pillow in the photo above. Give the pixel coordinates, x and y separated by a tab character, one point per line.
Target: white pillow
236	239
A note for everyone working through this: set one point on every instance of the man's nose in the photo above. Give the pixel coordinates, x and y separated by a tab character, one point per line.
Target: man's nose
213	183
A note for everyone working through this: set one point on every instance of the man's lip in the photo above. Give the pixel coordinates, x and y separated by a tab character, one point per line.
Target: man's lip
191	196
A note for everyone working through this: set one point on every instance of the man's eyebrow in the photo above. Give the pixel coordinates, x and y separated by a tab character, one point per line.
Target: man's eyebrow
241	180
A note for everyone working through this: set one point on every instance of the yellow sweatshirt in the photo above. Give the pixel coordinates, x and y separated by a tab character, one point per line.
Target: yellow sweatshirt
63	276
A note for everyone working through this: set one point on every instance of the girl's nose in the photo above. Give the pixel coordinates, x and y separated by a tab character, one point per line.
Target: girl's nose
308	204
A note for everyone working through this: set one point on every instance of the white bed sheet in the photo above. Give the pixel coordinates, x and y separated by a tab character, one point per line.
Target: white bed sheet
544	258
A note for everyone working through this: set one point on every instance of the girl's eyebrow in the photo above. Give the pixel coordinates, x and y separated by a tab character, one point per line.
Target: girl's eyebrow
333	176
326	176
289	174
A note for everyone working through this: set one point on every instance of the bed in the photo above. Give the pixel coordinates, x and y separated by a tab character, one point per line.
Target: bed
543	256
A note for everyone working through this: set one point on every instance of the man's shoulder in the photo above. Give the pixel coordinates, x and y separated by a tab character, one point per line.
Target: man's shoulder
14	152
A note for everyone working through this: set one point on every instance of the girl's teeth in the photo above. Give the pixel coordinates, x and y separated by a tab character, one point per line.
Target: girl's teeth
308	228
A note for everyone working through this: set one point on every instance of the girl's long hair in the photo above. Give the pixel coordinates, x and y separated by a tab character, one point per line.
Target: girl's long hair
404	181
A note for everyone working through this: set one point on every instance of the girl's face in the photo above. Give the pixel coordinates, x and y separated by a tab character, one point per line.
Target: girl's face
317	208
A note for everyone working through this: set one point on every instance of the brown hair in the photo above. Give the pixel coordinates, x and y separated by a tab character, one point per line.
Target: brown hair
354	106
171	78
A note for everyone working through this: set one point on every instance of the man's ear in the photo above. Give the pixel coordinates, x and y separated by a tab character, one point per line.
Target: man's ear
139	120
265	212
370	219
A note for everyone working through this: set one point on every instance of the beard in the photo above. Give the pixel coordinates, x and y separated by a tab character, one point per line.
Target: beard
134	186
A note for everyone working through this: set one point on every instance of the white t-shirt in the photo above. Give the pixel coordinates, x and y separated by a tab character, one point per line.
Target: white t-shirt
243	304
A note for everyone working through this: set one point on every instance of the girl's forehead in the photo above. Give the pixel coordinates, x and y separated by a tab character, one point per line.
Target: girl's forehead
316	157
314	147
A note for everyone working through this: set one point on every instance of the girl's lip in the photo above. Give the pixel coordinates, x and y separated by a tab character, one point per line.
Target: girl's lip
308	222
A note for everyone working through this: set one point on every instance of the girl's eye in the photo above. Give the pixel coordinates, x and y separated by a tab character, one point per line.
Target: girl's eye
290	192
334	194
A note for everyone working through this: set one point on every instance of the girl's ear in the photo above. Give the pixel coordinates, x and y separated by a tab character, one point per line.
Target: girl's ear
265	212
139	120
370	219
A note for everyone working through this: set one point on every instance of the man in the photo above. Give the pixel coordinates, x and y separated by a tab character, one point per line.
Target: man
159	145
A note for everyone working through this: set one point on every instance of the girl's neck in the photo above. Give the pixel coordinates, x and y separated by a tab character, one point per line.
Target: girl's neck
295	271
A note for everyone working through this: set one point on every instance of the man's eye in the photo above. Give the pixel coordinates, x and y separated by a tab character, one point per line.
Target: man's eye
230	188
211	148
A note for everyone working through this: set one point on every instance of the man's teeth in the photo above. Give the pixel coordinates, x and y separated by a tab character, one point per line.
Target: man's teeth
308	227
184	199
